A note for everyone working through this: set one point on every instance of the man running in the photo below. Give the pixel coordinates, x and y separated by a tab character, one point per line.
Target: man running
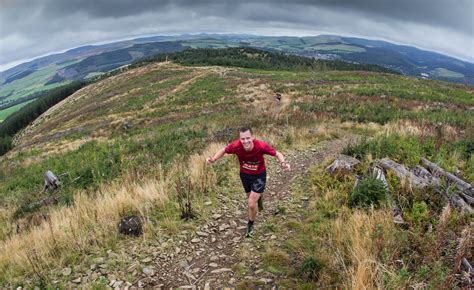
253	174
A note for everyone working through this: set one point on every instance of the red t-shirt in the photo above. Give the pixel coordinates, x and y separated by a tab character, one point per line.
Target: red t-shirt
251	162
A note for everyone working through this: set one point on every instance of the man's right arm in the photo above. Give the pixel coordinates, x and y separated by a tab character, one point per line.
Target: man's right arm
216	156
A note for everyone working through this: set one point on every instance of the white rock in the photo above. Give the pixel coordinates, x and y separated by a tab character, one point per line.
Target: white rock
213	265
266	281
202	234
66	271
195	240
221	270
117	284
148	271
223	227
77	281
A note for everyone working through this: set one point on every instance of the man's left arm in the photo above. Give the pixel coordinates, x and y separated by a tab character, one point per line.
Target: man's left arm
281	159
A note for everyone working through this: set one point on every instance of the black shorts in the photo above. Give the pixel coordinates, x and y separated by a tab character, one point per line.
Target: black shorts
255	183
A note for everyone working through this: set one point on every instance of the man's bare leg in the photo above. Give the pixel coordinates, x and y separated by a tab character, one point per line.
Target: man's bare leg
252	205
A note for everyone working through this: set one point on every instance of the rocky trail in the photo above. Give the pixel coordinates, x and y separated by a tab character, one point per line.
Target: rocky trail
209	257
217	254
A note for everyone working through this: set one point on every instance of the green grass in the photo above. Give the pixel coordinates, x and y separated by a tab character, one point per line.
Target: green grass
89	166
408	150
207	90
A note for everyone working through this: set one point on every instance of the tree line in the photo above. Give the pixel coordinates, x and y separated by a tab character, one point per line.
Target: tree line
20	119
248	57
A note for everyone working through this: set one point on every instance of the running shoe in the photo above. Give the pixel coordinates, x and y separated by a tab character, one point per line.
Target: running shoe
249	231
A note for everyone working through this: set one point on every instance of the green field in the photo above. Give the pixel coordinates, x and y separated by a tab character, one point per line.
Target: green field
33	83
7	112
338	48
442	72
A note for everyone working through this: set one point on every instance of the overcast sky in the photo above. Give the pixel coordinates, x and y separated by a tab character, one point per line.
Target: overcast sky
30	28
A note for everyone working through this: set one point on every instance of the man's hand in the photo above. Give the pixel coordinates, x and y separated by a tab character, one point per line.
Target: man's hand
210	160
286	166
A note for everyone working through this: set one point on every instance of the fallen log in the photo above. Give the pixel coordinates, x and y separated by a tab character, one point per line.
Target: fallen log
403	173
420	182
459	203
465	188
469	200
438	171
343	163
52	199
422	172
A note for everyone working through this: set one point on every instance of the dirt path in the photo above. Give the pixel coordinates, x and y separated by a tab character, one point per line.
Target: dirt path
211	256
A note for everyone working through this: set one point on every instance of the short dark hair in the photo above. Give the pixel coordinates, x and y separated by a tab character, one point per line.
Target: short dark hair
245	129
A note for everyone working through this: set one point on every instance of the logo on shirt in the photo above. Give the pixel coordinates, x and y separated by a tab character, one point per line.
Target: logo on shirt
249	165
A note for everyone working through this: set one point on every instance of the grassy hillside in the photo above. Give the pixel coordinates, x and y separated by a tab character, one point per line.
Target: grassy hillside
128	141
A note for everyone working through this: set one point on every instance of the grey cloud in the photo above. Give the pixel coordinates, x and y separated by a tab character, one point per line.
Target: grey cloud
31	28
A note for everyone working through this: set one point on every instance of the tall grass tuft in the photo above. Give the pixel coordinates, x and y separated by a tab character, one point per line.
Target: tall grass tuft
359	238
90	223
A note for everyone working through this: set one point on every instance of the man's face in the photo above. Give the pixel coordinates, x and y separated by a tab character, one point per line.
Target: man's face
246	139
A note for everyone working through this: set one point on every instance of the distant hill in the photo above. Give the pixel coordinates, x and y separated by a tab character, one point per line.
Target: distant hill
110	60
